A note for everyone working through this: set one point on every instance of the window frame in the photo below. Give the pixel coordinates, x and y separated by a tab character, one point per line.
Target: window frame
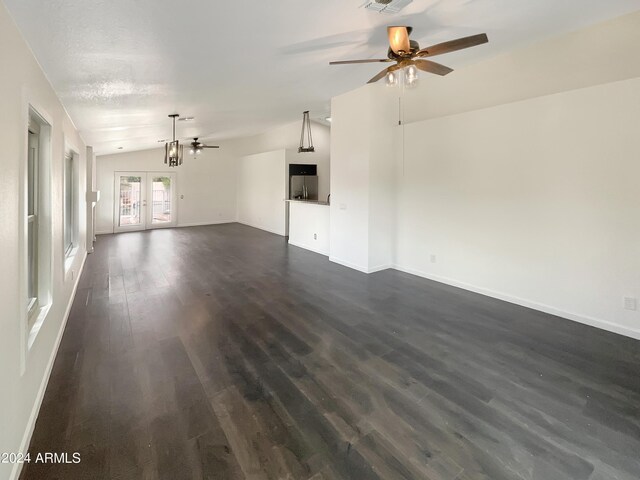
33	184
69	215
35	209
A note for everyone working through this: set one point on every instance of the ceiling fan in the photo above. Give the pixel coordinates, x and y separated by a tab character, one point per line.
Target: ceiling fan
196	147
407	53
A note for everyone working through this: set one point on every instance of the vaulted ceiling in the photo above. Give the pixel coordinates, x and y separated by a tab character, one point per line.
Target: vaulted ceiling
243	66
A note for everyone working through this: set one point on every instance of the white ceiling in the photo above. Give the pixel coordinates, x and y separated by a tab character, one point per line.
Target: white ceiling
243	66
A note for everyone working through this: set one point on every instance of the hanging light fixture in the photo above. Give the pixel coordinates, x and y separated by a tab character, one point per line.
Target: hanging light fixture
306	125
173	150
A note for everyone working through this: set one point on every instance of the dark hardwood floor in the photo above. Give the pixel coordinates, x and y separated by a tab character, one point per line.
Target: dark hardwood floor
221	353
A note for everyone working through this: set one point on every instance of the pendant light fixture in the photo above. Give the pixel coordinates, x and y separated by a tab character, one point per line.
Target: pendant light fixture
306	125
173	150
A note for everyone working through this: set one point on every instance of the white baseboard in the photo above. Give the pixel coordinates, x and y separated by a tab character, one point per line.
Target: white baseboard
379	268
344	263
584	319
26	439
259	227
202	224
180	225
308	247
367	270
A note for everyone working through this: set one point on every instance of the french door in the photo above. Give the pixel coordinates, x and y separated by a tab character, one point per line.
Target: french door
144	200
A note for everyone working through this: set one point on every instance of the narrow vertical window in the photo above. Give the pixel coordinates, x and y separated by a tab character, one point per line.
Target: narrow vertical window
37	219
69	201
32	216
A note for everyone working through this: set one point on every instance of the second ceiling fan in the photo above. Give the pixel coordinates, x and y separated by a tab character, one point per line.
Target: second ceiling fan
196	147
407	53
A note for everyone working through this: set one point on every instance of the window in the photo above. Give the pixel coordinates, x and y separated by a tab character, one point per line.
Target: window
37	218
69	202
32	215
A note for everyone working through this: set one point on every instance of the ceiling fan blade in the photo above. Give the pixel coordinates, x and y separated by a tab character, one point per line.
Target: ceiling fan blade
375	60
399	39
432	67
209	146
453	45
383	73
379	76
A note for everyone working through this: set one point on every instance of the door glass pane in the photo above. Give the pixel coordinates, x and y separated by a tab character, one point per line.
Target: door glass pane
161	200
130	190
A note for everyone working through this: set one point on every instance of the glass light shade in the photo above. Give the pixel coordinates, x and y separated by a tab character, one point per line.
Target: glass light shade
411	76
174	153
392	79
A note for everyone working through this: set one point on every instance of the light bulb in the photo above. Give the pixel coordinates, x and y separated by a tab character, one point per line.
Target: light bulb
198	151
392	79
411	76
191	151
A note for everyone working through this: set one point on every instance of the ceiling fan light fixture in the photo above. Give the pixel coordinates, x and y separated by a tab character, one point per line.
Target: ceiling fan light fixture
407	53
392	79
411	76
196	147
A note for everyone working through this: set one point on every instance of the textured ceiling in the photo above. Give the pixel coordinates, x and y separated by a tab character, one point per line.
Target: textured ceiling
243	66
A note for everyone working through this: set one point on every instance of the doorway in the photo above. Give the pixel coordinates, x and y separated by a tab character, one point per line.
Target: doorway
144	200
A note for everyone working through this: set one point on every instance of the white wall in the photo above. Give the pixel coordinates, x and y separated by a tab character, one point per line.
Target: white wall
363	178
261	184
382	178
350	151
516	177
24	371
309	226
538	204
287	138
206	185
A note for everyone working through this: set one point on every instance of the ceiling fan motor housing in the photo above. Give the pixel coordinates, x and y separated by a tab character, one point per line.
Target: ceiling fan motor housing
414	48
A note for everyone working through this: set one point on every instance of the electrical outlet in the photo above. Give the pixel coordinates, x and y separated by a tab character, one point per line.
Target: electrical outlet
433	258
630	303
315	236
